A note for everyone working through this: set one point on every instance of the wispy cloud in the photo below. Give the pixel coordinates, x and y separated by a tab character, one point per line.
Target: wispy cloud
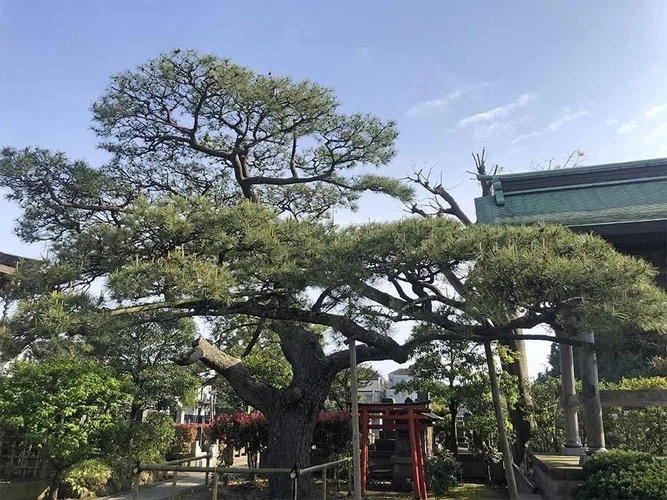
656	111
558	123
527	136
613	121
499	112
485	130
566	118
657	133
442	104
627	127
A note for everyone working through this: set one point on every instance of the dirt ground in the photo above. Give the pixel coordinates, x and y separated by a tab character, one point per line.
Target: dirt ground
247	491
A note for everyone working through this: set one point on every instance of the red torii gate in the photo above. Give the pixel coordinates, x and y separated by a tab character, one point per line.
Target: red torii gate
410	416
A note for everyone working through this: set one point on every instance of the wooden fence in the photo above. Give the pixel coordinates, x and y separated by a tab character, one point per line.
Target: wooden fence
19	459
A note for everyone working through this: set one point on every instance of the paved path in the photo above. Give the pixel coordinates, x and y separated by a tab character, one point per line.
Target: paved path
187	481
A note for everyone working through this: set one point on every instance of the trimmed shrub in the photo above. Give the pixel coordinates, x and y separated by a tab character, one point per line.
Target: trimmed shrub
241	430
251	431
184	438
88	478
442	473
333	433
624	475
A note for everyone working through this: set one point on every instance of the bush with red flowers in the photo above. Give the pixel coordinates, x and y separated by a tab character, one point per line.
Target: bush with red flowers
251	431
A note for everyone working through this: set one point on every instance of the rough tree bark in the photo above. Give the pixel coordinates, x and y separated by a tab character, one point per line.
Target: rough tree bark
520	414
291	412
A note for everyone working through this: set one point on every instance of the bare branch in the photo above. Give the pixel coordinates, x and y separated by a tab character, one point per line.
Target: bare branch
254	393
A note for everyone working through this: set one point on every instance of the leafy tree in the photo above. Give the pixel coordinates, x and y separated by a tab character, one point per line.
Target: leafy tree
627	355
446	370
441	203
65	406
638	429
341	387
213	206
145	354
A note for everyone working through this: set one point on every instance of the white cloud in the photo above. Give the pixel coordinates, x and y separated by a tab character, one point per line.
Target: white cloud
656	111
613	121
566	118
485	130
553	126
499	112
627	127
524	137
442	103
658	132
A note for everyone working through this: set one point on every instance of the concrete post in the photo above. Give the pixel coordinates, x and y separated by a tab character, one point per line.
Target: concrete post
591	394
572	444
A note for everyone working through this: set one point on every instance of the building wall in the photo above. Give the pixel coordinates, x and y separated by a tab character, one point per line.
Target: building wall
399	397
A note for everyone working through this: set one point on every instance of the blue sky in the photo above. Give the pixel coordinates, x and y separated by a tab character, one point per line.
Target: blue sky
529	80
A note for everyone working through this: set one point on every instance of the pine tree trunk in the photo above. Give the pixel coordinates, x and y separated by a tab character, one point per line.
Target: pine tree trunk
520	414
291	429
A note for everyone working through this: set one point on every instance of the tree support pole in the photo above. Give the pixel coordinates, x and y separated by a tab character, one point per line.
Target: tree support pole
500	421
572	444
356	450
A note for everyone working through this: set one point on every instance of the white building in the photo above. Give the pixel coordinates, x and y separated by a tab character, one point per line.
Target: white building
374	391
395	377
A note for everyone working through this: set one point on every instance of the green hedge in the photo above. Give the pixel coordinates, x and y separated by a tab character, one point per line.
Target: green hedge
624	475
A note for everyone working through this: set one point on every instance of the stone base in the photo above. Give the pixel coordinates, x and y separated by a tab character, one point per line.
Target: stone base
556	475
573	451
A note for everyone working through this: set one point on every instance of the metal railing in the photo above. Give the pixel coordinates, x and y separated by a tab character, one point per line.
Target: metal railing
294	473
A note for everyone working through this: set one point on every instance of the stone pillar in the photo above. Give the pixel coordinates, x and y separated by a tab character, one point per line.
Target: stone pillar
591	395
572	444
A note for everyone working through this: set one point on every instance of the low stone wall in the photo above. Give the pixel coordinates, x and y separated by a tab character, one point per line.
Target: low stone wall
557	476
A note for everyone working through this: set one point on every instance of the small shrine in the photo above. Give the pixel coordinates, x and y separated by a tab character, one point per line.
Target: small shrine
395	441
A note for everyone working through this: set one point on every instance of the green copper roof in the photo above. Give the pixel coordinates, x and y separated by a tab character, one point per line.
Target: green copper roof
602	194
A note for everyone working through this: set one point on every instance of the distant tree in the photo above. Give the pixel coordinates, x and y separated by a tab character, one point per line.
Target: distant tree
447	370
572	159
65	406
340	393
628	354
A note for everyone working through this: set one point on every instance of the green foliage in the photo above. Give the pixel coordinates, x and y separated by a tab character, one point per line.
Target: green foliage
442	473
64	405
624	475
340	392
150	440
88	478
144	354
639	429
627	354
129	442
629	428
451	373
548	435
